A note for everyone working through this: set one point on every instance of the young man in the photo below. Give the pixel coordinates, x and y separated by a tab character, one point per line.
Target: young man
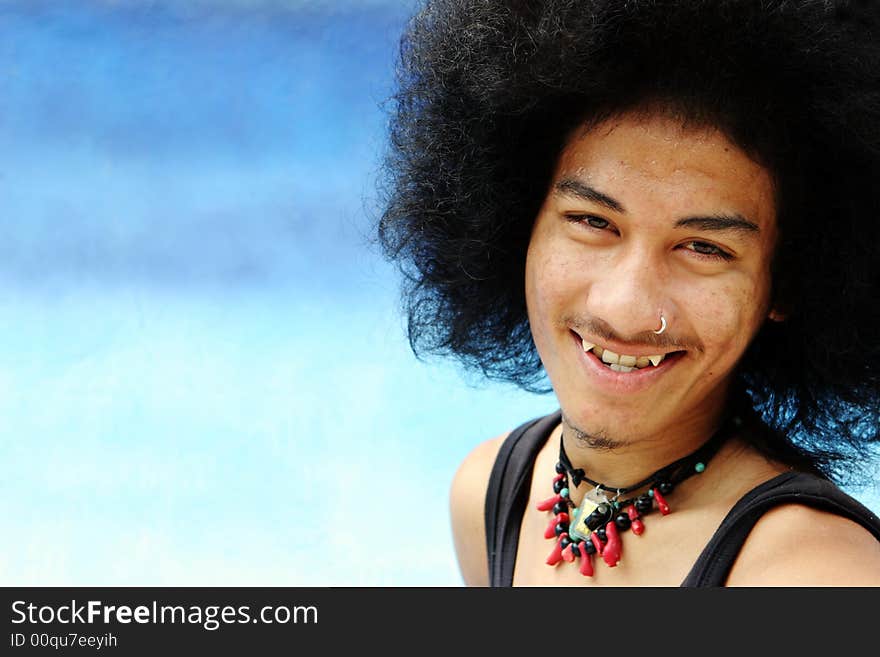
667	209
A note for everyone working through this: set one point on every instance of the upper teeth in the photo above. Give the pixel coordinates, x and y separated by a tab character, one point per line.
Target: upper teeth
623	362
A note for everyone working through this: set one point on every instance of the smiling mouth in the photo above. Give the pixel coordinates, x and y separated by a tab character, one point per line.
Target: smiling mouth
624	362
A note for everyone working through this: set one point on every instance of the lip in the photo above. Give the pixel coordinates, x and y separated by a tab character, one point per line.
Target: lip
622	382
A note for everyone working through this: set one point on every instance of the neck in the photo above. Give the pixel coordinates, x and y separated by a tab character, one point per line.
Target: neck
621	459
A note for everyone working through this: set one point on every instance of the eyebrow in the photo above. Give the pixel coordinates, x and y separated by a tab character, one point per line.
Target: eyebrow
716	222
579	189
734	222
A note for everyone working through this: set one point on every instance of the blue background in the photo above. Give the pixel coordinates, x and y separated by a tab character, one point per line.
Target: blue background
204	376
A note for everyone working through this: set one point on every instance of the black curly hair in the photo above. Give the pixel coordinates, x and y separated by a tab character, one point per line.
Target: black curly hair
488	92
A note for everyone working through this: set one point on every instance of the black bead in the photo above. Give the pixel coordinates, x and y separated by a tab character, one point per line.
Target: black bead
596	520
601	534
665	488
589	548
561	528
644	503
564	541
622	521
559	485
560	507
560	469
575	550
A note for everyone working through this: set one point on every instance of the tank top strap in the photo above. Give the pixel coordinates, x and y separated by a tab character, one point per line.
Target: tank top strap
717	558
508	492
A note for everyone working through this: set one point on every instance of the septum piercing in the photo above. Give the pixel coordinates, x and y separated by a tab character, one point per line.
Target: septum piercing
662	325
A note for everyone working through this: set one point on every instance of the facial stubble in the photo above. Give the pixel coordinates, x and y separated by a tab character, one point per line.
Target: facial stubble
598	439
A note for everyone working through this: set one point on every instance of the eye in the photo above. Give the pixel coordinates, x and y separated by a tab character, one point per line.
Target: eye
708	251
589	220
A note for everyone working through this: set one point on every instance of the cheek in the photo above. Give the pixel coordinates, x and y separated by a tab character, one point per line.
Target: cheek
538	297
726	319
551	284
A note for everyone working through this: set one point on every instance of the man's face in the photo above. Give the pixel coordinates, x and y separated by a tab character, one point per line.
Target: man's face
643	217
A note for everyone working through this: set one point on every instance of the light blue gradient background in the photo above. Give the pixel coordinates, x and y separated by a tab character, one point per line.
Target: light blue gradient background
204	376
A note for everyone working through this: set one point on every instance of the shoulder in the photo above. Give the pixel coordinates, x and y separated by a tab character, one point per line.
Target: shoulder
798	545
466	505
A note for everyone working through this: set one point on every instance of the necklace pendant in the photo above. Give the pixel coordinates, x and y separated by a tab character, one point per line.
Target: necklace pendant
580	528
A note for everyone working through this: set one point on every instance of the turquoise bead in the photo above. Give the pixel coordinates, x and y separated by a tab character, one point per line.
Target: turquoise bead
564	492
651	492
699	467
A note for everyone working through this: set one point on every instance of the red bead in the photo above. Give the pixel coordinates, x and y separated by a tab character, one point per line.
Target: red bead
632	512
586	567
556	556
567	554
549	503
661	503
597	542
637	527
558	477
611	551
550	532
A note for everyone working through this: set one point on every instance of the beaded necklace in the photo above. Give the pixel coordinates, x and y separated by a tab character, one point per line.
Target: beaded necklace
595	526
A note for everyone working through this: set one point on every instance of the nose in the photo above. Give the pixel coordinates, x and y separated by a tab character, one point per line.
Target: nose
628	294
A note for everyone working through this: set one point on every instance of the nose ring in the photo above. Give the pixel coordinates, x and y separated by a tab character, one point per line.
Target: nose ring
662	324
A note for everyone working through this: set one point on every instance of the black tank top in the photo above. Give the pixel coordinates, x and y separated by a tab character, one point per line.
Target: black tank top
508	493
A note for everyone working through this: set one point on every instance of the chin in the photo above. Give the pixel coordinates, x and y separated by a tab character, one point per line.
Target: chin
602	427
